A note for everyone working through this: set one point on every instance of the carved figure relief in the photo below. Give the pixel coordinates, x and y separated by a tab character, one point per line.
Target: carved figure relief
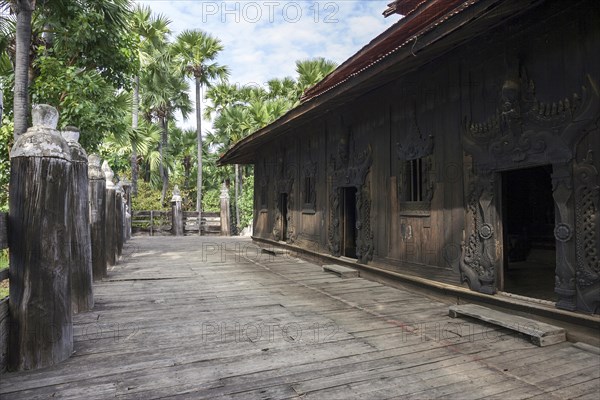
562	191
478	260
529	131
350	168
587	206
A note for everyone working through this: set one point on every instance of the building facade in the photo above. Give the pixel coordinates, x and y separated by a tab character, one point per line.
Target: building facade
462	146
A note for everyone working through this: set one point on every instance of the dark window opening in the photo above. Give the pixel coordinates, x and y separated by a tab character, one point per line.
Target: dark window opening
415	180
307	190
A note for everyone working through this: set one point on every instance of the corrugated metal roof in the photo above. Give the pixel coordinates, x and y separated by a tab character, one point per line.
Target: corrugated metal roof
427	17
431	13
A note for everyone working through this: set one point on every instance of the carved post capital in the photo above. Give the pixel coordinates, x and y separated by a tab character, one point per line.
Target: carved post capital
42	139
176	195
108	175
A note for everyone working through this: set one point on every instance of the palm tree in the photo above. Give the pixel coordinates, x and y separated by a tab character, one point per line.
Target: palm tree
195	50
311	71
151	31
164	92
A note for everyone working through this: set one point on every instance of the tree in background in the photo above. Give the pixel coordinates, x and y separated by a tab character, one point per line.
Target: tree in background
195	50
151	33
240	111
77	72
164	92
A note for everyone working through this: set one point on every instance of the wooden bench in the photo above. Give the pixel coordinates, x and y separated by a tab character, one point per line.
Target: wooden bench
541	334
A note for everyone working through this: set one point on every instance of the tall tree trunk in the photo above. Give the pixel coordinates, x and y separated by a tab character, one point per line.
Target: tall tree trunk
135	111
199	140
164	174
24	10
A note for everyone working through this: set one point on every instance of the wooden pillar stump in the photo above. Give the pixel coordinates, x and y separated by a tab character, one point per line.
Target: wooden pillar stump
97	194
111	216
82	297
176	213
225	211
41	331
120	223
126	185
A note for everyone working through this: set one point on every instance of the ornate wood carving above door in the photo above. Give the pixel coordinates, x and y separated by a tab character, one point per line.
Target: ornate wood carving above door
526	131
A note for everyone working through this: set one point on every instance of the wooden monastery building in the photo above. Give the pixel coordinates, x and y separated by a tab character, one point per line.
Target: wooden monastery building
462	146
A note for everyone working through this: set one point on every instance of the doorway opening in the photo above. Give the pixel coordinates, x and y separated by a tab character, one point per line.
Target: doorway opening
348	221
283	201
528	221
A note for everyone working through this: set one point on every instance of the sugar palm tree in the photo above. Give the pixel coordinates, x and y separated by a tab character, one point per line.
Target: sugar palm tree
151	32
311	71
195	52
164	92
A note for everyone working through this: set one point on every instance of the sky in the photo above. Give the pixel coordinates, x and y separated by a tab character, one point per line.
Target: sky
263	39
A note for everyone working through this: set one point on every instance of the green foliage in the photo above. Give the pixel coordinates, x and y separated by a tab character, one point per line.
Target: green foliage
83	97
3	259
6	139
91	35
148	198
246	204
211	200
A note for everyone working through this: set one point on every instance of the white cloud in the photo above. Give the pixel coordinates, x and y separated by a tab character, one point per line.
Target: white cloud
263	39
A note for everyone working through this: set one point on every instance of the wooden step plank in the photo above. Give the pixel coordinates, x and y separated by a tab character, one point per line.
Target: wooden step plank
541	334
341	271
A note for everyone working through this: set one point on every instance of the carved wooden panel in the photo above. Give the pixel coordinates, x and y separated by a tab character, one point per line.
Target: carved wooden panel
349	167
562	191
284	184
587	207
479	256
525	131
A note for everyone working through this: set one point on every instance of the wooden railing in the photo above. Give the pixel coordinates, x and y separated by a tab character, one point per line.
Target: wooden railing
157	223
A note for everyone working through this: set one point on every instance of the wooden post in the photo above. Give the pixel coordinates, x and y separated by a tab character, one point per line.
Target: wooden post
111	215
176	213
120	216
82	297
224	210
126	185
41	331
97	193
151	223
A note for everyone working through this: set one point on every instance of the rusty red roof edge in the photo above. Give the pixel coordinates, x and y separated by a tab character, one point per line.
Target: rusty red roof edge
403	7
390	41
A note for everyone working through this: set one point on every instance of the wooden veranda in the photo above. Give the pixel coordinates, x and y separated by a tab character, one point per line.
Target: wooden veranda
208	317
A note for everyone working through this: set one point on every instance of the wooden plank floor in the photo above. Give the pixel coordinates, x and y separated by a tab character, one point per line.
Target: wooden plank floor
212	318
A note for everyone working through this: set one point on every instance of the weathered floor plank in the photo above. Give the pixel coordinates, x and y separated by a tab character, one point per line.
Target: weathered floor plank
213	318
